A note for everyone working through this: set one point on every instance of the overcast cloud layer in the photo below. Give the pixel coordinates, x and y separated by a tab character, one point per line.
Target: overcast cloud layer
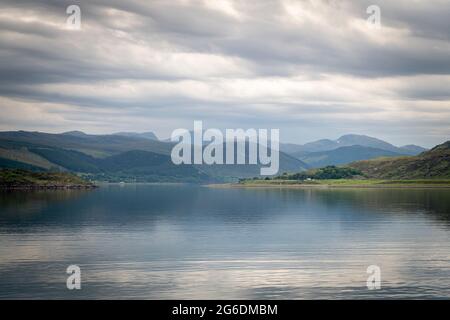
314	69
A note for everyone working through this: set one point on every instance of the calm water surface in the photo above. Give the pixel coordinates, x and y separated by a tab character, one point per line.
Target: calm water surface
192	242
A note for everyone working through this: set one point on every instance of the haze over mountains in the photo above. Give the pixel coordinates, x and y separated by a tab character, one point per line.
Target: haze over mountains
346	149
129	156
146	135
344	155
116	157
349	140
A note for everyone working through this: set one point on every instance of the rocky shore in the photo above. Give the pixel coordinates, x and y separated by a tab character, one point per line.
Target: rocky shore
16	179
48	187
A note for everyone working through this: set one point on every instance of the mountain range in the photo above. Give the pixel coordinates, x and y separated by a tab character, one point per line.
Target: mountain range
348	140
344	155
146	135
346	149
117	157
130	156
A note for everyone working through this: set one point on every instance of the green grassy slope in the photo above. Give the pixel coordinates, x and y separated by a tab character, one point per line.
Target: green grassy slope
69	159
25	156
432	164
12	164
97	144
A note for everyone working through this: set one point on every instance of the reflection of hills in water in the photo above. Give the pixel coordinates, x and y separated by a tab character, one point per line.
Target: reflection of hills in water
134	204
17	204
191	242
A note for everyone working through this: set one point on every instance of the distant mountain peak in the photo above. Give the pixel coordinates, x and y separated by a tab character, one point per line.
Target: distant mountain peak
75	133
344	155
414	149
353	135
358	137
348	140
146	135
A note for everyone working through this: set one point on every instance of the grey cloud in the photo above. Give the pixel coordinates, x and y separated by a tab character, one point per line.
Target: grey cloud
270	48
261	41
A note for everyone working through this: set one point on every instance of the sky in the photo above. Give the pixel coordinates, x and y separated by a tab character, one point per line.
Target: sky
313	69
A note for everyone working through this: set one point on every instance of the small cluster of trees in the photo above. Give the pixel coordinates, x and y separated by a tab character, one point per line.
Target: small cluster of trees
329	172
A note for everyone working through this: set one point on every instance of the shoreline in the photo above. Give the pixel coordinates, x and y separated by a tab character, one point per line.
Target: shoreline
48	187
105	183
330	186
